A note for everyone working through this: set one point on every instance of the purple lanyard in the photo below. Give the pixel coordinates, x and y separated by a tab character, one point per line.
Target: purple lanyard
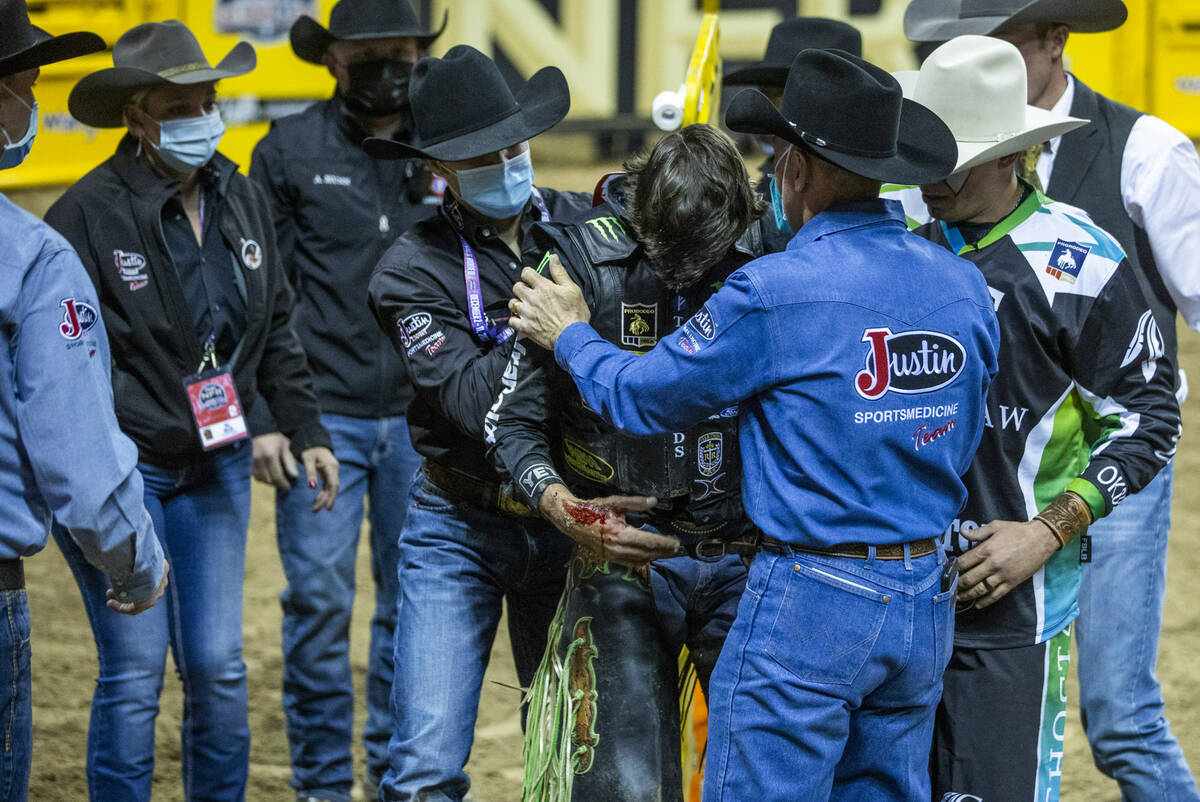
484	328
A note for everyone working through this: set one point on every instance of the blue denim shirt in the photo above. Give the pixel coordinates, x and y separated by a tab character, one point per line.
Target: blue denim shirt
62	456
860	358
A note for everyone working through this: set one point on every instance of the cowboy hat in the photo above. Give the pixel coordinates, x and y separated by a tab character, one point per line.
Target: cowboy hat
939	20
485	116
360	19
977	85
787	39
24	46
853	114
150	54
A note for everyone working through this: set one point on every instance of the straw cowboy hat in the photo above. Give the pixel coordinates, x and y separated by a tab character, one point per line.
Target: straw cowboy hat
24	46
360	19
977	85
939	20
485	116
787	39
150	54
853	114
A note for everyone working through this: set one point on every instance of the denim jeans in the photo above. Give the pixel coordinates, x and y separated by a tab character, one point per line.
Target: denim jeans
458	565
200	514
829	680
318	554
1120	617
15	701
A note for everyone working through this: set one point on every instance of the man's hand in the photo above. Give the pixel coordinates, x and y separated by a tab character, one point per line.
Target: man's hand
133	608
1012	553
545	306
273	460
320	462
598	525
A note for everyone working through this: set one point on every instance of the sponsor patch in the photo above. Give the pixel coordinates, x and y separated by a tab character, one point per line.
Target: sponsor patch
585	463
728	412
252	254
704	324
710	453
331	180
1066	260
926	434
910	362
413	327
639	325
131	267
610	228
430	343
78	318
709	487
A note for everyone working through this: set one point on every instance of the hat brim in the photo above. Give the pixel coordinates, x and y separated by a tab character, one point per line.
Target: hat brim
760	74
927	20
98	98
310	39
925	148
542	103
50	50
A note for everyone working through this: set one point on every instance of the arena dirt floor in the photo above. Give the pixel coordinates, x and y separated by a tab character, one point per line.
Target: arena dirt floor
64	656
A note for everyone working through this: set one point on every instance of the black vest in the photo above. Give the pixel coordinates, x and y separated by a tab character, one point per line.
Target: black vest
1087	174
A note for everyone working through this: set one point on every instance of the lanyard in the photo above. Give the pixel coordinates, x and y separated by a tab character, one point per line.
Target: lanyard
484	328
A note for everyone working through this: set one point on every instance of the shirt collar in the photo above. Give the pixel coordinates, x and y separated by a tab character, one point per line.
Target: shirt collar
847	215
473	227
1063	107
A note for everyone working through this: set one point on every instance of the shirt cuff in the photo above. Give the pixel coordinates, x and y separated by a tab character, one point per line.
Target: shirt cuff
573	338
141	584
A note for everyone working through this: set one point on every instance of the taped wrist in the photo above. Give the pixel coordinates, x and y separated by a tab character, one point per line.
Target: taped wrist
1067	516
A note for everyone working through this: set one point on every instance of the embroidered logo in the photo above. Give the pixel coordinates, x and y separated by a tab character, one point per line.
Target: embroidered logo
639	325
704	324
78	318
610	228
131	267
910	362
1066	260
331	180
413	326
710	451
1147	339
251	254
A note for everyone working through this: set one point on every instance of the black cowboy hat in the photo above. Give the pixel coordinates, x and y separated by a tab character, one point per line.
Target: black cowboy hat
940	20
787	39
360	19
484	115
853	114
24	46
150	54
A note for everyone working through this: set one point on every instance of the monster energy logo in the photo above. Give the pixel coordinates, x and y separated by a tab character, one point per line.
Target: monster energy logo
609	227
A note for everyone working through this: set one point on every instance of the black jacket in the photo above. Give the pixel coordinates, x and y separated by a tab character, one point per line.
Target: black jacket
113	218
418	294
336	211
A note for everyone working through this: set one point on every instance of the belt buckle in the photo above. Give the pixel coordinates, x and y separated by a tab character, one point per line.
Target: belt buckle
711	550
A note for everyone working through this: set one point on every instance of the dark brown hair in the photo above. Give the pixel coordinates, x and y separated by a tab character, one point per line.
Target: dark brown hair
689	199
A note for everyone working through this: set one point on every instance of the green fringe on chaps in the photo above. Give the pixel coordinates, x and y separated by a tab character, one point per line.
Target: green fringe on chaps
603	720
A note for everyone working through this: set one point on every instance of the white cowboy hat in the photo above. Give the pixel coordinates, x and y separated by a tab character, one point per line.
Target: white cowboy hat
978	86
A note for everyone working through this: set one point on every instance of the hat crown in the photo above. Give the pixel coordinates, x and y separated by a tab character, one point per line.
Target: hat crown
462	91
791	36
839	101
359	17
164	48
990	8
978	86
16	31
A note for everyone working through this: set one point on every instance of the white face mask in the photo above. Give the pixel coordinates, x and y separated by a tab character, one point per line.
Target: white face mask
16	152
186	145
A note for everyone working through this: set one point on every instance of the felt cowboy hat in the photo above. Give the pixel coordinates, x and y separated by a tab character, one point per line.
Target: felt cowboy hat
977	85
939	20
24	46
360	19
462	108
150	54
787	39
853	114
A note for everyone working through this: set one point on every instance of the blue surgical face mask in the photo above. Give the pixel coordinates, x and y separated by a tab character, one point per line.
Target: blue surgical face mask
15	152
498	191
781	221
186	145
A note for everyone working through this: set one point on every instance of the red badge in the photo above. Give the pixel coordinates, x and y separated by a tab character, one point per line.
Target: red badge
216	408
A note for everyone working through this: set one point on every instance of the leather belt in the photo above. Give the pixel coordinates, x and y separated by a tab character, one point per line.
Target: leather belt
713	549
489	496
12	575
855	551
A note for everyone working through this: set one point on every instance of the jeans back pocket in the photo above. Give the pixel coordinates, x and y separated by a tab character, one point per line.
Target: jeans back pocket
827	625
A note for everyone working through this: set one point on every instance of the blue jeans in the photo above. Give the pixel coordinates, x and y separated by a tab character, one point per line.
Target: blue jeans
1120	617
829	681
200	514
318	554
15	702
458	565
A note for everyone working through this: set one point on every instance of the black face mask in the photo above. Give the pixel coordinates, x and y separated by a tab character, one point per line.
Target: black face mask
378	87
